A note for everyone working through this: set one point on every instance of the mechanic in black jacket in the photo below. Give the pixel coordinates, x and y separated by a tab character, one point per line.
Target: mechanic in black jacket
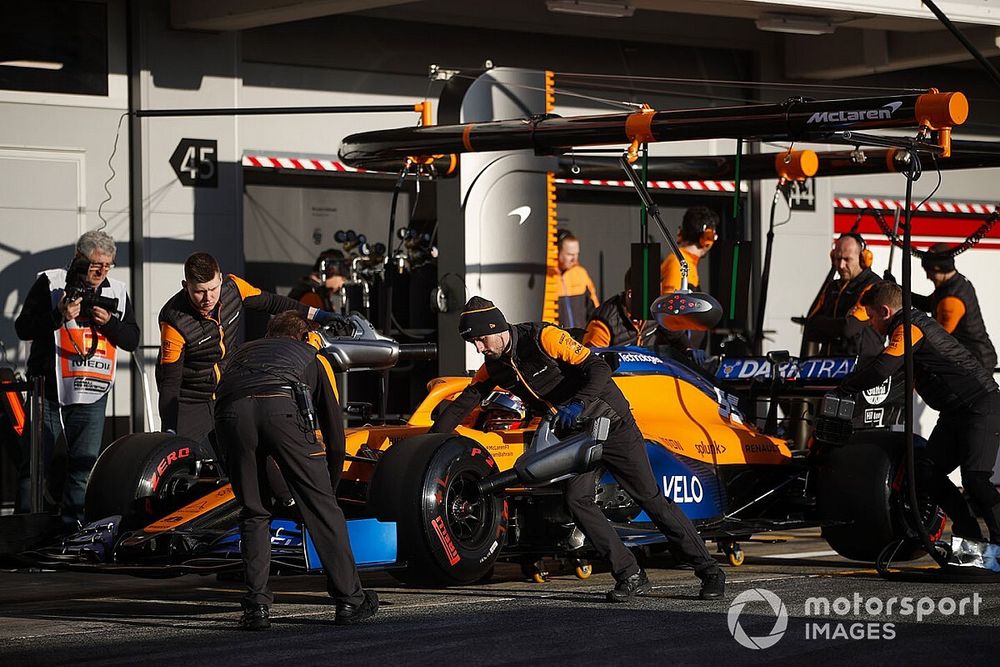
555	374
954	305
199	325
836	320
259	416
612	323
952	382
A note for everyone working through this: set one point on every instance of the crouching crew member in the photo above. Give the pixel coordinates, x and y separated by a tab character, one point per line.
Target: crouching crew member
955	306
613	324
277	398
199	325
952	382
555	374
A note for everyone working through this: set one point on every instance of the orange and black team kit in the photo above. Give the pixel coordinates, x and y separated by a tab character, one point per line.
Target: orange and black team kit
193	349
547	368
967	433
956	308
577	297
612	324
839	323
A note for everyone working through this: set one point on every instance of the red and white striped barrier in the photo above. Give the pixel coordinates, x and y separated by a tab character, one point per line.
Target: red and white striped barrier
311	164
701	186
967	208
302	163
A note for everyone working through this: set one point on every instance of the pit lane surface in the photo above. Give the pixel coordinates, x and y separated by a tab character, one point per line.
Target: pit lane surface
62	618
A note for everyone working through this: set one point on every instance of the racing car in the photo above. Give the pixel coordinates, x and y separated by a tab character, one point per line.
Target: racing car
444	508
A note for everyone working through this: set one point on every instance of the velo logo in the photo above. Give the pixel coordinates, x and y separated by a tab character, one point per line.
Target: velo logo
777	608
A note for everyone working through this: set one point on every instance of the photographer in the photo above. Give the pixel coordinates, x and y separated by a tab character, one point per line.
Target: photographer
80	316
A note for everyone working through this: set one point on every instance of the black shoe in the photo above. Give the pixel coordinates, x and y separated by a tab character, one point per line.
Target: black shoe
255	617
349	614
626	589
713	585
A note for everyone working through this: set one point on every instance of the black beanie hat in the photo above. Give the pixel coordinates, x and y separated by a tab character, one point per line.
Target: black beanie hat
937	260
480	318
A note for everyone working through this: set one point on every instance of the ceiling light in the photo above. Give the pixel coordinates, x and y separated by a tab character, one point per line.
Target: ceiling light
590	8
797	24
33	64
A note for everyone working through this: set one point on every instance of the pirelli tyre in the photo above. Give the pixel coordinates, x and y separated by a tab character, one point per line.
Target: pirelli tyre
447	532
143	476
860	487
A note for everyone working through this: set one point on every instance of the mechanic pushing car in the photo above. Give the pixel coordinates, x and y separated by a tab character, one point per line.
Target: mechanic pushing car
836	320
954	383
555	374
277	398
954	304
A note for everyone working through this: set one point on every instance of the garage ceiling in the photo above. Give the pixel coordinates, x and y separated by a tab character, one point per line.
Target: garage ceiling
861	37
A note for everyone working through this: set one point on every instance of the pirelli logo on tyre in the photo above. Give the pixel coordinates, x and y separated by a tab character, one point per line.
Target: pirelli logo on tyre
442	534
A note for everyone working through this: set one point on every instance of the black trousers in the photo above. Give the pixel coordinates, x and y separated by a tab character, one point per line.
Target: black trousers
197	421
251	429
968	439
625	457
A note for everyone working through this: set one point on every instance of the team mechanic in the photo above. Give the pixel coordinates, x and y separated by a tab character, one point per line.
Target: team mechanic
613	323
954	305
695	238
837	320
278	399
952	382
550	371
197	326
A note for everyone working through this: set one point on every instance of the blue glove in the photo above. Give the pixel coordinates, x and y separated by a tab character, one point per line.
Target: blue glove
697	355
568	414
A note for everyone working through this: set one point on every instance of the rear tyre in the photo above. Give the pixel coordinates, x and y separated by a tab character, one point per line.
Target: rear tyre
448	533
142	477
861	484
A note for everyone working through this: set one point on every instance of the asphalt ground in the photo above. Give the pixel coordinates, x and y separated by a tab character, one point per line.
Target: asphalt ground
79	618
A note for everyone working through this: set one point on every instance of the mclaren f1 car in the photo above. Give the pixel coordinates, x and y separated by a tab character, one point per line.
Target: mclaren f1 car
447	507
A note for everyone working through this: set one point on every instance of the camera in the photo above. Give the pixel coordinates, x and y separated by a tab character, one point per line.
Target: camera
78	288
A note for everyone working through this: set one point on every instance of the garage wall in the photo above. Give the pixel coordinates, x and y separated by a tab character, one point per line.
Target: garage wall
54	153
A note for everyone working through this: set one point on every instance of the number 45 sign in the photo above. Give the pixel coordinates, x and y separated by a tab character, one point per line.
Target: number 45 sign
196	162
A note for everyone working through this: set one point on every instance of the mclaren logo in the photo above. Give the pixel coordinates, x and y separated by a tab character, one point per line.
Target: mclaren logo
882	113
522	213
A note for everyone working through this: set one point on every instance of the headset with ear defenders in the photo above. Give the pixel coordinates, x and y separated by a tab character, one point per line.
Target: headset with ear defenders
703	238
865	259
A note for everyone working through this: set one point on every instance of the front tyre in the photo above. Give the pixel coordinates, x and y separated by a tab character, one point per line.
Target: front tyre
448	532
142	477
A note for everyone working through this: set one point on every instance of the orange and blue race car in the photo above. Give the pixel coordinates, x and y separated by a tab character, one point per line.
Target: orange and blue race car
445	508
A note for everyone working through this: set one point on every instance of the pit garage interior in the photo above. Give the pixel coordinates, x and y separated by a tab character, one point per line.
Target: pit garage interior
75	157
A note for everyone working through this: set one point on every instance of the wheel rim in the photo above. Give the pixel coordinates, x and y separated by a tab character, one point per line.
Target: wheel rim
469	514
